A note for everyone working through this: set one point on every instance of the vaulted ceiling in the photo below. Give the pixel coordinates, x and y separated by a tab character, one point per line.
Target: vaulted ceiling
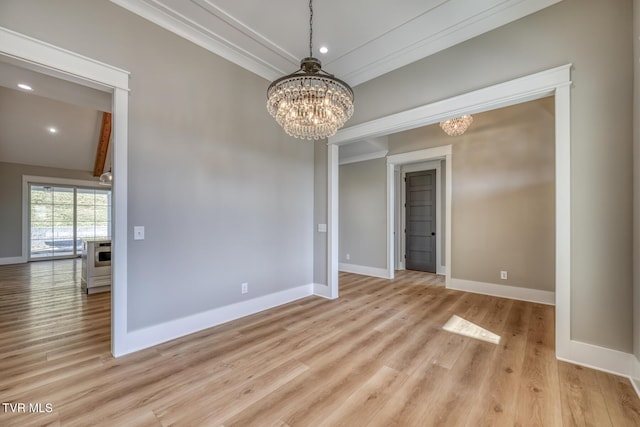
26	117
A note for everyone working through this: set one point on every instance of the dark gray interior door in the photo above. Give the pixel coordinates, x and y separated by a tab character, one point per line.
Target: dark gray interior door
420	229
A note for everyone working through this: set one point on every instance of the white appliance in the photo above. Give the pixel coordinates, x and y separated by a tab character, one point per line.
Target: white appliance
96	265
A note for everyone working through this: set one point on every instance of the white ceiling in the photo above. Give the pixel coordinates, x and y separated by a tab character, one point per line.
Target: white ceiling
366	38
24	136
74	110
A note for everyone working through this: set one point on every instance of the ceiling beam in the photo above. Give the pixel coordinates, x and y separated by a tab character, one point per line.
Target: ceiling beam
103	144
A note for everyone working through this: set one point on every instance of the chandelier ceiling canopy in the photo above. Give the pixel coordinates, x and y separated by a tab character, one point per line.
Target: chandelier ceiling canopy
456	126
310	103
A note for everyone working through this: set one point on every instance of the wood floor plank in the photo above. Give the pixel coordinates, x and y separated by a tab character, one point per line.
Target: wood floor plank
622	402
583	403
377	356
498	407
539	391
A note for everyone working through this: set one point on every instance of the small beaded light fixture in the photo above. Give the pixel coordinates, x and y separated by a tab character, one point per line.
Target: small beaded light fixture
456	126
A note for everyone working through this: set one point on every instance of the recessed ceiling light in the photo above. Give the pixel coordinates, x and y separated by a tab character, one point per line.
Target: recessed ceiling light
52	130
24	86
324	49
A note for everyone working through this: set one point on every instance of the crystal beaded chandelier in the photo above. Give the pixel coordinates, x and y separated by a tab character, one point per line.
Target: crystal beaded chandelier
310	103
456	126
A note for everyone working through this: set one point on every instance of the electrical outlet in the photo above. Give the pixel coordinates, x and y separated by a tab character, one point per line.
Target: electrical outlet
245	288
348	257
138	232
503	275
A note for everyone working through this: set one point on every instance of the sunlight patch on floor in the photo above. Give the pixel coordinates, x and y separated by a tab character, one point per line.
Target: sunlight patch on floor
460	326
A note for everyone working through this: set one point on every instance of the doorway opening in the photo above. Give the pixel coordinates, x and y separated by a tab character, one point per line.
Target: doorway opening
420	220
554	81
46	59
420	212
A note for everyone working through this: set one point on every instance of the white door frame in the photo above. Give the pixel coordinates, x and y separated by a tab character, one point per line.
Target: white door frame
555	81
401	222
52	60
428	154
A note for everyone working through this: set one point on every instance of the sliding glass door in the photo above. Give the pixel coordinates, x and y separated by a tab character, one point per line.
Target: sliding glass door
60	216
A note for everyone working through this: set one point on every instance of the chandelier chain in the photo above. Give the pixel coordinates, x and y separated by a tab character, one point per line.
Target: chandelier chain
310	28
310	103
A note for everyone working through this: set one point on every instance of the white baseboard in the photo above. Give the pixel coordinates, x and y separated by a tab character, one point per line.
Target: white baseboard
504	291
577	352
12	260
321	290
636	385
364	270
596	357
635	375
154	335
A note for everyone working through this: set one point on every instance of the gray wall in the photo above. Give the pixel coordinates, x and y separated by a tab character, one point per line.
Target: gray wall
503	210
363	213
225	196
596	37
11	201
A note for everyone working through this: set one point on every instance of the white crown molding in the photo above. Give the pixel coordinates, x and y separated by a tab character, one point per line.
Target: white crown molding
439	28
246	31
377	57
203	37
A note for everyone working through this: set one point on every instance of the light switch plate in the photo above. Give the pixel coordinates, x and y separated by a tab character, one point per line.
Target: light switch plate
322	228
138	232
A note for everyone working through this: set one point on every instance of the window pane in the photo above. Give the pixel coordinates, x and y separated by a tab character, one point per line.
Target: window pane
86	213
103	198
52	218
42	213
40	249
63	215
63	196
41	194
103	229
86	196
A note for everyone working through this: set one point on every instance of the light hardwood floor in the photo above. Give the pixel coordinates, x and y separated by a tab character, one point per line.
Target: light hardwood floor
376	356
